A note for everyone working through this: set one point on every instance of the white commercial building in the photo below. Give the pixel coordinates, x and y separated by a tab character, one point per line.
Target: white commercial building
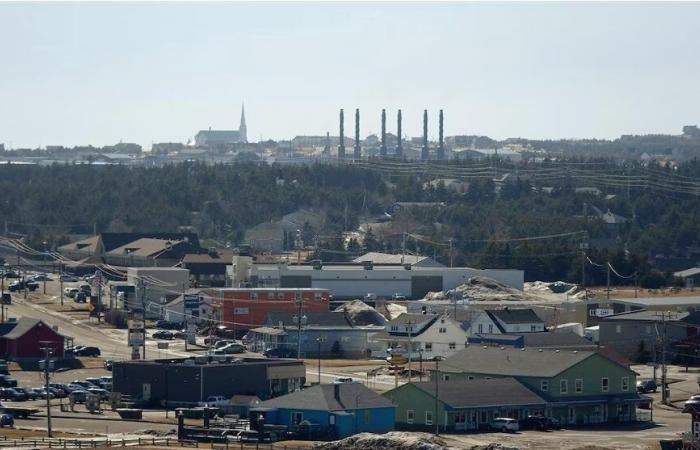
155	286
355	281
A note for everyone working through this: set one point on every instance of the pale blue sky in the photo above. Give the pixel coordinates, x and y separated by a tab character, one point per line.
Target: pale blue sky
152	72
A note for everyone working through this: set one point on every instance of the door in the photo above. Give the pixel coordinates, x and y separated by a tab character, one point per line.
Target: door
146	391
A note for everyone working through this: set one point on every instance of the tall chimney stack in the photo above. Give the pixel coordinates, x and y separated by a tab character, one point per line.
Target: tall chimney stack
399	145
358	150
425	153
382	149
341	143
441	145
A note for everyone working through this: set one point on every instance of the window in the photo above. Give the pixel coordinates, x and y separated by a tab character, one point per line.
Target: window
544	385
618	328
428	417
443	330
453	345
578	385
297	417
605	384
484	416
490	328
428	346
625	383
409	416
394	328
280	296
318	296
481	328
533	327
270	295
470	377
563	386
253	295
445	377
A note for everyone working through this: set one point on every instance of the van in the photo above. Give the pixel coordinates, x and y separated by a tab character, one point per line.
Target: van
504	424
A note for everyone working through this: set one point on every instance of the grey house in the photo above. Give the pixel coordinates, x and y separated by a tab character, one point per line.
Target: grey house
333	333
634	334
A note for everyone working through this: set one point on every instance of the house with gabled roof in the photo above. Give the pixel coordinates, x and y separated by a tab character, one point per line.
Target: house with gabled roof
422	335
580	386
330	410
507	320
25	338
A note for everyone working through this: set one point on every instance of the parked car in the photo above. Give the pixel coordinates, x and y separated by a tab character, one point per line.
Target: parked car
6	420
88	351
167	325
230	349
69	278
13	394
71	292
215	401
41	277
95	381
344	380
6	298
80	297
4	368
84	384
74	387
21	285
108	364
12	274
223	343
31	395
7	381
102	393
180	334
78	396
539	423
42	393
646	386
398	296
504	424
163	334
280	352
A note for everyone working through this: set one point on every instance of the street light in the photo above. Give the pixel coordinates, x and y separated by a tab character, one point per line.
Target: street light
45	252
437	360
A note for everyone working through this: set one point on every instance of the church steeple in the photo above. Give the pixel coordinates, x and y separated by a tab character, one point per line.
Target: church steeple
242	129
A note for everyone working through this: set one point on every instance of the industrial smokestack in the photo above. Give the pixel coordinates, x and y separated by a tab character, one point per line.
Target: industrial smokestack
441	144
382	149
358	150
341	143
424	154
399	145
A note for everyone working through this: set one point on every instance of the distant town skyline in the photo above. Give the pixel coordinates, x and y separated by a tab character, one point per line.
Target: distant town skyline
100	73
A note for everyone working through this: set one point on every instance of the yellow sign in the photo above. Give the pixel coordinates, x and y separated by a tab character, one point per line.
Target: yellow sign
397	360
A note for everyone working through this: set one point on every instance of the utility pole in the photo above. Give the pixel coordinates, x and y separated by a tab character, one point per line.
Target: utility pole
47	352
44	258
608	282
403	247
299	319
450	252
437	394
664	392
319	340
142	285
60	279
409	325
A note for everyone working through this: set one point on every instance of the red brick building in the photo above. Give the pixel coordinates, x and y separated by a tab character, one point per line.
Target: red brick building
23	339
248	307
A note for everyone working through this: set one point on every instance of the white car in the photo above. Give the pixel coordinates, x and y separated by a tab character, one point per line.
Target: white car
215	400
504	424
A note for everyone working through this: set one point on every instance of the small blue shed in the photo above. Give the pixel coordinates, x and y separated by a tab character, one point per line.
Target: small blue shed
330	410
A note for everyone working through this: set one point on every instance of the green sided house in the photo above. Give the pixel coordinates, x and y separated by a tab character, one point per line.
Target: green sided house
579	386
463	405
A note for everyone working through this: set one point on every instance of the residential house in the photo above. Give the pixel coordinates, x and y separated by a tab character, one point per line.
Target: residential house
208	269
556	340
150	252
580	386
469	405
332	333
635	334
507	320
690	277
422	335
25	339
330	411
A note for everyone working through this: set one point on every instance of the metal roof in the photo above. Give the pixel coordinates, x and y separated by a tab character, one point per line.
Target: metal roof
351	396
515	315
661	301
482	393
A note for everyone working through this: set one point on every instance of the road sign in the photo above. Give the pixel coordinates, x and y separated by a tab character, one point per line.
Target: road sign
192	301
136	325
136	338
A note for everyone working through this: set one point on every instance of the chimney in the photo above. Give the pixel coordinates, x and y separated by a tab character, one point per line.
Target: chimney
399	145
382	150
358	149
424	154
341	143
441	145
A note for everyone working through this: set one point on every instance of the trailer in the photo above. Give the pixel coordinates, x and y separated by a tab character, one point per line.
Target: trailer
19	412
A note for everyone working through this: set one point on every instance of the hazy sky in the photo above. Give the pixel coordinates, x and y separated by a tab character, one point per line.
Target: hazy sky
76	73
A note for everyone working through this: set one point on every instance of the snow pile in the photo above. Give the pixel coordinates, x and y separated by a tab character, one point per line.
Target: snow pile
485	289
557	290
395	310
361	313
389	441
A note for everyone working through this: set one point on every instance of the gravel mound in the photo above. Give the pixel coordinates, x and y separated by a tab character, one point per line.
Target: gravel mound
361	313
394	440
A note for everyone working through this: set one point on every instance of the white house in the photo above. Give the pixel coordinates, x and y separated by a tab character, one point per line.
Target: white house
507	320
428	334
